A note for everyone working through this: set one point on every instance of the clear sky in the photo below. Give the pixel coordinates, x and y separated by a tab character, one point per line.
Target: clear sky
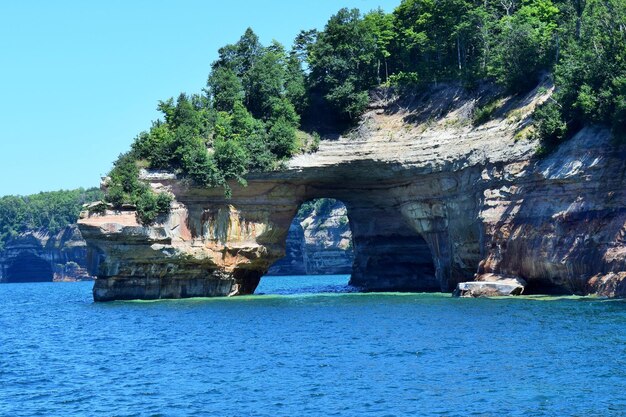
79	79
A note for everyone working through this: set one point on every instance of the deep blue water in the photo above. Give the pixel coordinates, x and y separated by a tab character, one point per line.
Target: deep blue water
288	353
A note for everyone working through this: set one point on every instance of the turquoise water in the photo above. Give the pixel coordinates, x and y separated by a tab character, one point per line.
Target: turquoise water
289	353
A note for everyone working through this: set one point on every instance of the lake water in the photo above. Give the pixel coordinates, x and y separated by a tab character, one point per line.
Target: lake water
292	353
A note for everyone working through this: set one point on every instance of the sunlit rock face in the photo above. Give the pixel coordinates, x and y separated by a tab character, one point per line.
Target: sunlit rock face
561	225
432	201
38	256
318	243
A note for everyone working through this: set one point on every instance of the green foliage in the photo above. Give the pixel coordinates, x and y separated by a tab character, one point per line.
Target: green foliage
282	136
343	63
245	122
150	205
198	165
295	84
49	211
323	206
157	146
380	24
526	45
225	88
230	159
258	97
315	143
319	206
549	123
124	187
619	114
484	113
404	80
266	80
123	180
591	74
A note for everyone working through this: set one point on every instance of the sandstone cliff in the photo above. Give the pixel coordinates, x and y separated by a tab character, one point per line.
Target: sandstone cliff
319	242
38	256
432	201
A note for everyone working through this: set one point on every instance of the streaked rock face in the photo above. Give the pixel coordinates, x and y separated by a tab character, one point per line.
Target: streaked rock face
431	201
38	256
318	244
563	220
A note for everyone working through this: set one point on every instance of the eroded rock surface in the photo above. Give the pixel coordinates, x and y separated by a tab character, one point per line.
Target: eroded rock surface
430	198
38	256
318	244
490	285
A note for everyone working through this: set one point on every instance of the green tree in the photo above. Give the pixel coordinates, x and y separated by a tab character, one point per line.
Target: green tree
231	159
266	80
343	63
295	84
282	138
225	88
380	24
590	76
241	56
525	45
430	37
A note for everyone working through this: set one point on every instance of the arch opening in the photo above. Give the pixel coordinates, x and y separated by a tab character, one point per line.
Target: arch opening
28	267
319	252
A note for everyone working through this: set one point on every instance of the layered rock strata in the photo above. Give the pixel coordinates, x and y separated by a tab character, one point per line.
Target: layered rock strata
318	244
38	256
490	285
431	201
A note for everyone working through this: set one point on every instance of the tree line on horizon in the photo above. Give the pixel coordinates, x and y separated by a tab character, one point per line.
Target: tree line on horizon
259	100
50	212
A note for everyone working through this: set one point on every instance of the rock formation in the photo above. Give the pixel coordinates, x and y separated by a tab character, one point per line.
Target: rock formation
319	243
432	201
490	285
38	256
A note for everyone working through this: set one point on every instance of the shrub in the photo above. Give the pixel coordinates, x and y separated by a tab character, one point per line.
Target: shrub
116	195
484	113
282	137
260	158
315	143
404	81
549	123
150	205
231	159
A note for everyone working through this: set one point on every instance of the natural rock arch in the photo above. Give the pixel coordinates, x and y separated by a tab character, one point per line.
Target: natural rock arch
319	241
476	200
27	267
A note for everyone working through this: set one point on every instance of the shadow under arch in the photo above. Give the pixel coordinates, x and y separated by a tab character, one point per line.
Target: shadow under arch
374	246
28	267
319	241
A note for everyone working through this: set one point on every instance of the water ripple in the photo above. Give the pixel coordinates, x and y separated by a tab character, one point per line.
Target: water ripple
297	352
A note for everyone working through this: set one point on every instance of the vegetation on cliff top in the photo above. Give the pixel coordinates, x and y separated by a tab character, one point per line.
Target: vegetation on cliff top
47	211
258	97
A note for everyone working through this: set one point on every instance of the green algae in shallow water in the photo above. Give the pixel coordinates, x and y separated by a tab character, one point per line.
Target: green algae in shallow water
304	296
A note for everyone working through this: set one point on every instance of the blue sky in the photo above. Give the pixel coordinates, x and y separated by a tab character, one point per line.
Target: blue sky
79	79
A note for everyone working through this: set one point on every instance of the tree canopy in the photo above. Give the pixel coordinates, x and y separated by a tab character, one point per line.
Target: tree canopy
258	97
47	211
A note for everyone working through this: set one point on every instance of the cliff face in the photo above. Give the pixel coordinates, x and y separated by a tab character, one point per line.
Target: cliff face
561	224
39	256
431	201
318	243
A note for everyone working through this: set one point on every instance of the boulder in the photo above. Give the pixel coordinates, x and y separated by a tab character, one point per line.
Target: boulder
497	287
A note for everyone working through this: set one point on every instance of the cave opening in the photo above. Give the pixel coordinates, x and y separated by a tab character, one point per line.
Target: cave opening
28	267
546	287
319	252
